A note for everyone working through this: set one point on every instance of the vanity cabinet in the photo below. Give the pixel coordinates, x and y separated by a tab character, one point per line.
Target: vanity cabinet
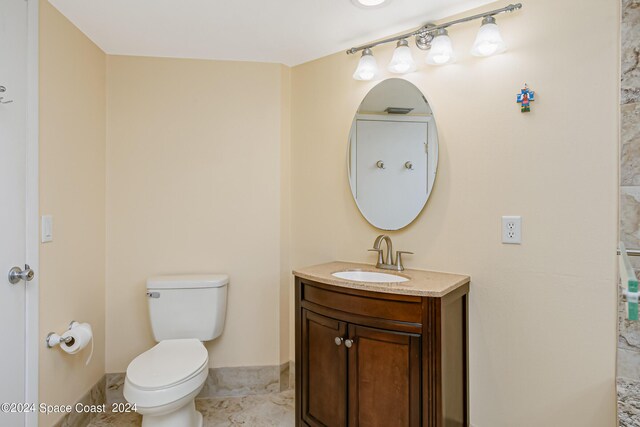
368	374
371	358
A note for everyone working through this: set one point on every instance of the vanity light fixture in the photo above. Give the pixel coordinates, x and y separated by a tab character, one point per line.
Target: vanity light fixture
367	66
441	51
370	4
433	38
488	41
402	61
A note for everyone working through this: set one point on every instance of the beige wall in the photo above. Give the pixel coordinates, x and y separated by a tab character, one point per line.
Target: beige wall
72	189
240	168
194	185
542	315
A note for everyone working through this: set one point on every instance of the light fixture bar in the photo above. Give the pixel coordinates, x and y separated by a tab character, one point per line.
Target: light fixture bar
430	28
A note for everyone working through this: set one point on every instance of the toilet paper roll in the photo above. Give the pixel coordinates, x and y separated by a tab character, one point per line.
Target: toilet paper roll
81	335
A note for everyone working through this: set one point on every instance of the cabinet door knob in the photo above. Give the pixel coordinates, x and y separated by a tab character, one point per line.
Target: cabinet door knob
338	340
348	343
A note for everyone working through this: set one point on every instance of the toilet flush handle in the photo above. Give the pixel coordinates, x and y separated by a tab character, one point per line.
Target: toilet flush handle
153	294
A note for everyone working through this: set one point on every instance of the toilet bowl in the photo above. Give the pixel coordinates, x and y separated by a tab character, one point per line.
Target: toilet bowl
164	381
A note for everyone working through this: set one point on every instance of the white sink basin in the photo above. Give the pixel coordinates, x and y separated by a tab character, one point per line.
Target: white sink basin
369	276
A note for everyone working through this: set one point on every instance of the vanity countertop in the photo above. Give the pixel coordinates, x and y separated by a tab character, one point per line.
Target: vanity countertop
421	282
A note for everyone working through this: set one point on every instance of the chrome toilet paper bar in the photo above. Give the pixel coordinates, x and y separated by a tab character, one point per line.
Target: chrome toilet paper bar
74	339
54	339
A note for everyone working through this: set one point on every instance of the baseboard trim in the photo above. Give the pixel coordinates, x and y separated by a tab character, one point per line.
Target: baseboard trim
95	396
224	382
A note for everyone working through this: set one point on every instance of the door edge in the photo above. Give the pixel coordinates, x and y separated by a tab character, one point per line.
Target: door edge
32	215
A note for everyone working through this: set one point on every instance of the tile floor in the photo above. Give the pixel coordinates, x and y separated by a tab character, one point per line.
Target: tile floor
261	410
628	403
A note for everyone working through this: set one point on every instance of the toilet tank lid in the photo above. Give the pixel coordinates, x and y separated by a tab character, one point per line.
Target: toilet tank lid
188	281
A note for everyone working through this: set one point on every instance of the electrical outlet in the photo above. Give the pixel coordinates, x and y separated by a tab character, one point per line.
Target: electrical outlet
512	230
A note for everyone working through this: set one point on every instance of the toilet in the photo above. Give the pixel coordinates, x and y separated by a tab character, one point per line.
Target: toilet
163	382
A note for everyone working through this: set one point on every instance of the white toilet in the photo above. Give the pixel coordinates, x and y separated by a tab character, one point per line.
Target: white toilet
164	381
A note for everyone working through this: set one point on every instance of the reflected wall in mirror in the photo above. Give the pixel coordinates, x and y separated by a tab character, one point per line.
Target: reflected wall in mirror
393	154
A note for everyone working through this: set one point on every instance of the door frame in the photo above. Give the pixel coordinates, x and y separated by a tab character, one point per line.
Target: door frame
32	215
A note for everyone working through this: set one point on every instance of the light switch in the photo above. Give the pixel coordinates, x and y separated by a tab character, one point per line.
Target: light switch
47	229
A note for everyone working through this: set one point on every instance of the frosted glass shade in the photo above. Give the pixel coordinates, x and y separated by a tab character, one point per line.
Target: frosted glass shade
402	61
488	41
441	51
367	67
370	3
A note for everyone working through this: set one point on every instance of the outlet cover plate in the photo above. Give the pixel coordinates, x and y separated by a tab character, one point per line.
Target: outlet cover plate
512	230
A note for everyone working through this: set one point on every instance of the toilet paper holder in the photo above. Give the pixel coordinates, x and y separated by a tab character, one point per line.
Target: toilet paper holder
54	339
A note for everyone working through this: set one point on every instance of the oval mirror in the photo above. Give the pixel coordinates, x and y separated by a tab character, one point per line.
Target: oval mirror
393	154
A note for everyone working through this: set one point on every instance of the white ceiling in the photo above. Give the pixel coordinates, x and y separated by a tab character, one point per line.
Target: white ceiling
282	31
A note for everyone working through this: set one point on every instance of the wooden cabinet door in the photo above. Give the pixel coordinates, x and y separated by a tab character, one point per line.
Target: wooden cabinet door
324	371
384	378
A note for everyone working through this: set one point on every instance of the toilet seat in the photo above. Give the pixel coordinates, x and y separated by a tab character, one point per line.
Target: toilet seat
166	373
167	364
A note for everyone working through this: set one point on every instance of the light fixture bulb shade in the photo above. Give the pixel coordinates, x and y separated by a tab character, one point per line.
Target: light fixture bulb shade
368	3
441	51
402	61
488	41
367	68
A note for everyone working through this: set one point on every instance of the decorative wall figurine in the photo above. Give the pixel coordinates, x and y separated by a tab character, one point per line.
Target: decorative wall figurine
525	97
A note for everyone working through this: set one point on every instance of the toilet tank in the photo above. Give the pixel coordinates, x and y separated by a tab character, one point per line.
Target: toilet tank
187	306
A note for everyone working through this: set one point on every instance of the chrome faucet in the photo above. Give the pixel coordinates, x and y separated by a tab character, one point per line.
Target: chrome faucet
388	263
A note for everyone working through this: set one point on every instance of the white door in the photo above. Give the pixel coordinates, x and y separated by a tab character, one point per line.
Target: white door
394	143
13	149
